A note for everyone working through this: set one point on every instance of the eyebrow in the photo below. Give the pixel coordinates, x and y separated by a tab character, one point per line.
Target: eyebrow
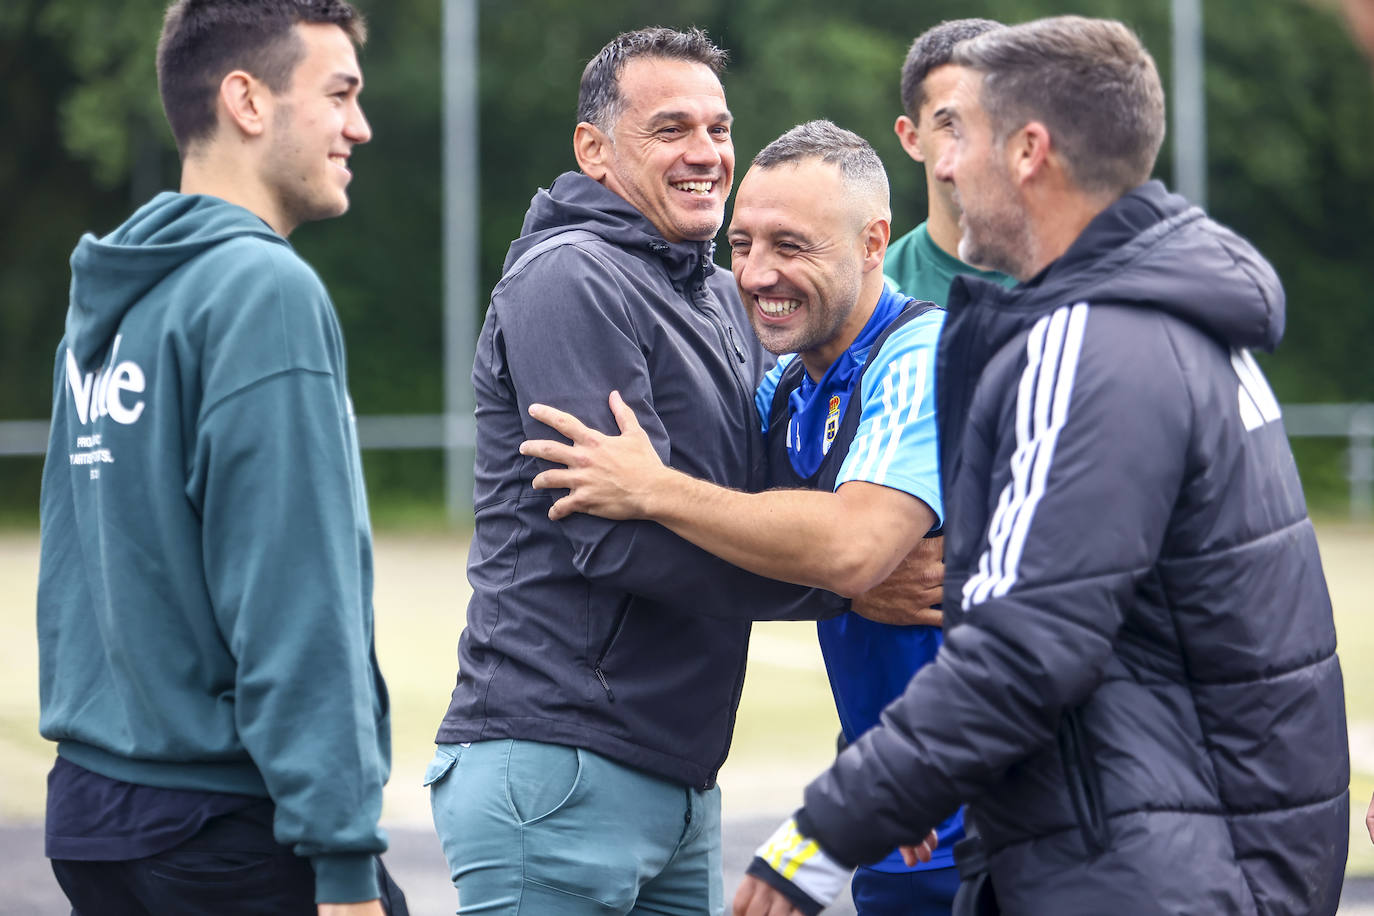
347	79
670	116
945	111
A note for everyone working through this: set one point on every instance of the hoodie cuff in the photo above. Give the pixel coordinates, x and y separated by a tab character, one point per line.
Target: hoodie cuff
797	867
347	878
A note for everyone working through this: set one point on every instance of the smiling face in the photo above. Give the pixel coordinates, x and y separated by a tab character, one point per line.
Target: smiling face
927	140
994	224
315	124
670	153
798	251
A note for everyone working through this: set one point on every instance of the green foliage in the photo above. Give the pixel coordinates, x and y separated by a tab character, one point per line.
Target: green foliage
110	48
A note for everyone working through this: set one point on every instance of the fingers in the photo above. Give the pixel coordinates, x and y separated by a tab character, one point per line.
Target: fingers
624	416
755	898
557	452
914	855
929	617
562	421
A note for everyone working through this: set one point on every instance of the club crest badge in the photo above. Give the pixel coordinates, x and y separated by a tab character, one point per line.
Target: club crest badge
832	424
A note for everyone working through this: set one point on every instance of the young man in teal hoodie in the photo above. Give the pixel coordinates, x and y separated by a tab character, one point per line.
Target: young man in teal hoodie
205	622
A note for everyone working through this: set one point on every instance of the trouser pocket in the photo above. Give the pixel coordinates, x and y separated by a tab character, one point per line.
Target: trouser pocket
540	779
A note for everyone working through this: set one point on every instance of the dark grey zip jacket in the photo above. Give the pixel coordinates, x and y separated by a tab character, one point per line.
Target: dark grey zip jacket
1139	694
618	637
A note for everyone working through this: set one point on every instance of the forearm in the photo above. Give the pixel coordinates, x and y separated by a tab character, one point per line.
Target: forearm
802	536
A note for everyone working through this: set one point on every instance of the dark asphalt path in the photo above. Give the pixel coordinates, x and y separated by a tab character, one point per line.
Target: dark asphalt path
27	887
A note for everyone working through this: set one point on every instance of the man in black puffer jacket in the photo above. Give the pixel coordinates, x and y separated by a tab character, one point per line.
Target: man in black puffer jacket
1138	695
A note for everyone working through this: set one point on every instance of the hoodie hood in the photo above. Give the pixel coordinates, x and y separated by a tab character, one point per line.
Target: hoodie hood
110	274
1152	249
575	201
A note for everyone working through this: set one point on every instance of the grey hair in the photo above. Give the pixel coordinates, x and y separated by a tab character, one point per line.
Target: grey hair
599	101
860	168
1089	81
933	48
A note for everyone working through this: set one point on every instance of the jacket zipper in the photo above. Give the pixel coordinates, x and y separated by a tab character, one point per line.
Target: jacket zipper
1084	791
622	613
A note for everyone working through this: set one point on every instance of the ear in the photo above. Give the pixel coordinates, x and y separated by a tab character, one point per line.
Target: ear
907	135
245	101
592	148
1028	152
875	237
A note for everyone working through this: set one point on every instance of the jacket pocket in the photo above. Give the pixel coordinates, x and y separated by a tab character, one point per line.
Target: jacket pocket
617	625
1080	778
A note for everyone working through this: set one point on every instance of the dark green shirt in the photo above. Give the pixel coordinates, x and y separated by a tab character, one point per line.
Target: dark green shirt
917	267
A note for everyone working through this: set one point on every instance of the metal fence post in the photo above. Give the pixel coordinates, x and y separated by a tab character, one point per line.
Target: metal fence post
1362	463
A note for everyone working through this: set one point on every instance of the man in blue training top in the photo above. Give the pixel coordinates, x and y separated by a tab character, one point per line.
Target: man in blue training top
849	420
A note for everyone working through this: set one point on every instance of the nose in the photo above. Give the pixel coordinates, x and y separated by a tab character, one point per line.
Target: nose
754	270
357	129
702	148
944	166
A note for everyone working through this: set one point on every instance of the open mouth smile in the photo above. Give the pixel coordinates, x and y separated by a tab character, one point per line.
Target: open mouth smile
702	188
777	308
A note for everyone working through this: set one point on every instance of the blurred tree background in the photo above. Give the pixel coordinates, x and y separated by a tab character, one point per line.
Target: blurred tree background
1290	131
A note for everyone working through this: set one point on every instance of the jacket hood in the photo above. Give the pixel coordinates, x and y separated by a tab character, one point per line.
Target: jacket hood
110	274
575	201
1152	249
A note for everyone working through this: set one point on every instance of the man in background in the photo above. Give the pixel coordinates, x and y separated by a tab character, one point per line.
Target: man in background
925	261
1138	696
205	617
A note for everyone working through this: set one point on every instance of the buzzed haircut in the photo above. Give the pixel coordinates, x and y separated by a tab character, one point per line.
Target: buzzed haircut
931	49
1089	81
599	101
203	40
860	168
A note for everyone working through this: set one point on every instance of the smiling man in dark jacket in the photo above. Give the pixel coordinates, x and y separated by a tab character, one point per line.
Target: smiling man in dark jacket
602	661
1138	695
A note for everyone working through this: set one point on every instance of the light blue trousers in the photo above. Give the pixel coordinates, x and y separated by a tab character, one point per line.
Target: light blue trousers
533	829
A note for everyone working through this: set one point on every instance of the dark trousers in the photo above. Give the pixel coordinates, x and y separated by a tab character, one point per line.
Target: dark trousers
232	867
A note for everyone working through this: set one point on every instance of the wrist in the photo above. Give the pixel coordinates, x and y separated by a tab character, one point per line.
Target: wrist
658	501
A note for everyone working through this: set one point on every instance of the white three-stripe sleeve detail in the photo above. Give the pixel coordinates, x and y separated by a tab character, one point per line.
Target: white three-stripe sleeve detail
913	393
1043	399
871	445
990	566
1058	416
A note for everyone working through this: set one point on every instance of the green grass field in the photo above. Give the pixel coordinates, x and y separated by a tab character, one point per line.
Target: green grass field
786	728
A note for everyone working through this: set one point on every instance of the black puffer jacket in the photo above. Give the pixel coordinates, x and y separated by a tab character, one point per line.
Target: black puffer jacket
1139	695
618	637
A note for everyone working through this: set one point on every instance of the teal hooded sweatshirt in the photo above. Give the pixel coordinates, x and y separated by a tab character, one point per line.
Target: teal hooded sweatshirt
205	585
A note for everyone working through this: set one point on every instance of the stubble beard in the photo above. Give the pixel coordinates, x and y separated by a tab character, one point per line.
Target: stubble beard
304	193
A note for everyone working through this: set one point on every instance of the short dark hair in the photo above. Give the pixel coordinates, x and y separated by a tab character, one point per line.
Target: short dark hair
1089	81
859	166
202	40
599	101
933	48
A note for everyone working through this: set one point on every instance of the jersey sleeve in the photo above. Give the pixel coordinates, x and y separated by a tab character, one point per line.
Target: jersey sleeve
895	444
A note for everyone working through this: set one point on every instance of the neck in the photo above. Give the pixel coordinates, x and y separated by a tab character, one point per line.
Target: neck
818	359
209	171
1056	224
